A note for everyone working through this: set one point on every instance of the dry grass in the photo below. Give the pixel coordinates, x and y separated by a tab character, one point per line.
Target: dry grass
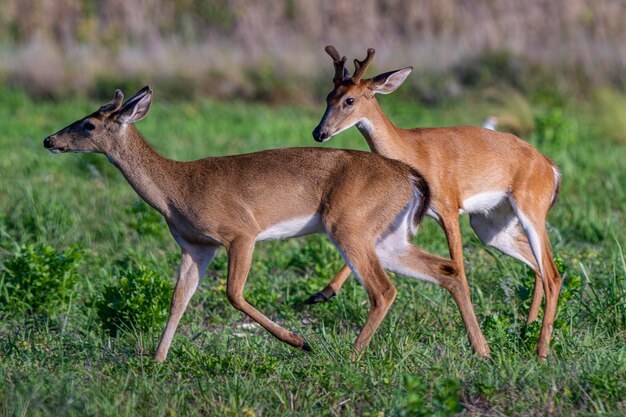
53	47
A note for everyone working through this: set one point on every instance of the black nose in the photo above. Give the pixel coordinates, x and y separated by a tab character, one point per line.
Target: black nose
319	135
46	142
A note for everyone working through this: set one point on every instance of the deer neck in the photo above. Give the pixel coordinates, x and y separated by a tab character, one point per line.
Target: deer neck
381	135
151	175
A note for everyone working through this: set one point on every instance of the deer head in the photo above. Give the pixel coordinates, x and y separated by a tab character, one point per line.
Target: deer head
103	129
352	97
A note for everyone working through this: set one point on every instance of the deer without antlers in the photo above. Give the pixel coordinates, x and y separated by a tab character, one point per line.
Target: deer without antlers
499	179
367	204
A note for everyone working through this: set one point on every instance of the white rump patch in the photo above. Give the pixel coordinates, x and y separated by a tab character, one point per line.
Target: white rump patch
483	202
299	226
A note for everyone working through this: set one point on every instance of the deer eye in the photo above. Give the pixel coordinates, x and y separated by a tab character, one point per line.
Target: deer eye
89	126
349	101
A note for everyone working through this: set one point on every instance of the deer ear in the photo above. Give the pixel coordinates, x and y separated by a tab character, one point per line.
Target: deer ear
387	82
137	107
114	104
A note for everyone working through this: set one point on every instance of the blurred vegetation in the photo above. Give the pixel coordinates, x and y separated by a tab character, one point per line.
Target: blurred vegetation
273	50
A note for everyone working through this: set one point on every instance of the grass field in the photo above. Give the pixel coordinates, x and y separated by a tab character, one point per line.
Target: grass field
56	358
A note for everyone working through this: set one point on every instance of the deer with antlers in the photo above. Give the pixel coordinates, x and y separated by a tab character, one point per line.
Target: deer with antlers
505	185
367	204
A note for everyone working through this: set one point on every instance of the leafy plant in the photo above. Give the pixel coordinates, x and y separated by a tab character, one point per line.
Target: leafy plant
317	257
144	219
139	300
510	331
431	398
39	280
553	128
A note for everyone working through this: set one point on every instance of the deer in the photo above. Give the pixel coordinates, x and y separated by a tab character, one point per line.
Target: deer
505	185
368	206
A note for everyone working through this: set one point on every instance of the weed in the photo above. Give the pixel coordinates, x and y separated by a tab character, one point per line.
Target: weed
554	129
39	280
139	300
426	397
144	219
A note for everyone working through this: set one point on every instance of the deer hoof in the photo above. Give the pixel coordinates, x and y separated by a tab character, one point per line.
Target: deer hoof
319	297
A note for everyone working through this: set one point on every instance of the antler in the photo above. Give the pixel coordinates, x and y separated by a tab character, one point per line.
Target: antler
338	62
361	66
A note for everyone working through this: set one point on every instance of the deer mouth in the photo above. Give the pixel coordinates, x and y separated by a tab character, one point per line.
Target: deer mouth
57	150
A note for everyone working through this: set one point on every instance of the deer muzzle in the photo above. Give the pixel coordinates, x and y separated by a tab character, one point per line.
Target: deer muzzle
320	135
48	143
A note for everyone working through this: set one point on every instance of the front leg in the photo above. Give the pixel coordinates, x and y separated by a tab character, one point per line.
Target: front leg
194	264
457	284
239	260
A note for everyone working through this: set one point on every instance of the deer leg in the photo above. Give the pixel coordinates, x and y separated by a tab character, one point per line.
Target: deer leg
366	266
535	229
500	229
398	255
331	289
422	265
193	265
535	305
456	283
552	288
239	260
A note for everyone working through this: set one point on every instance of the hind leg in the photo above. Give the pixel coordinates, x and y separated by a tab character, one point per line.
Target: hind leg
501	230
364	263
533	222
398	255
331	289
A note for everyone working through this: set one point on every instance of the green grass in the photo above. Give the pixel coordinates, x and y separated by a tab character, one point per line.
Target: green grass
419	361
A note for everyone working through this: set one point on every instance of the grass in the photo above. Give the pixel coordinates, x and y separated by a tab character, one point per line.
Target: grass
419	362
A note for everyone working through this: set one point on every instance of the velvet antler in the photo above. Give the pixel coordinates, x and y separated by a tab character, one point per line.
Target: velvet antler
361	66
339	63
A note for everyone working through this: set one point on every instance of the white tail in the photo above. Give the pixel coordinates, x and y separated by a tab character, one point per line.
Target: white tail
505	185
237	200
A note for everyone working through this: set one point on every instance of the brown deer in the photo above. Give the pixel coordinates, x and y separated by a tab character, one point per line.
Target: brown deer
499	179
367	204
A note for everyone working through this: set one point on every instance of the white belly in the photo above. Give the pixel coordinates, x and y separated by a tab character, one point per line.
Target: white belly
299	226
483	202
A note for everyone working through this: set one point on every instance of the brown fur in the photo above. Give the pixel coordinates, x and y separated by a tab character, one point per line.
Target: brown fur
229	201
457	163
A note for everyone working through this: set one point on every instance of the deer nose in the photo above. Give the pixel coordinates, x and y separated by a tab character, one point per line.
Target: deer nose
319	135
46	142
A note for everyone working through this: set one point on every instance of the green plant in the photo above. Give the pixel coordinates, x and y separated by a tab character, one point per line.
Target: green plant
138	300
430	397
39	280
317	257
605	298
508	330
553	128
144	219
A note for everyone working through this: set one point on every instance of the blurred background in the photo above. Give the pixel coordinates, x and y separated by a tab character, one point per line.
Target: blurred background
273	50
